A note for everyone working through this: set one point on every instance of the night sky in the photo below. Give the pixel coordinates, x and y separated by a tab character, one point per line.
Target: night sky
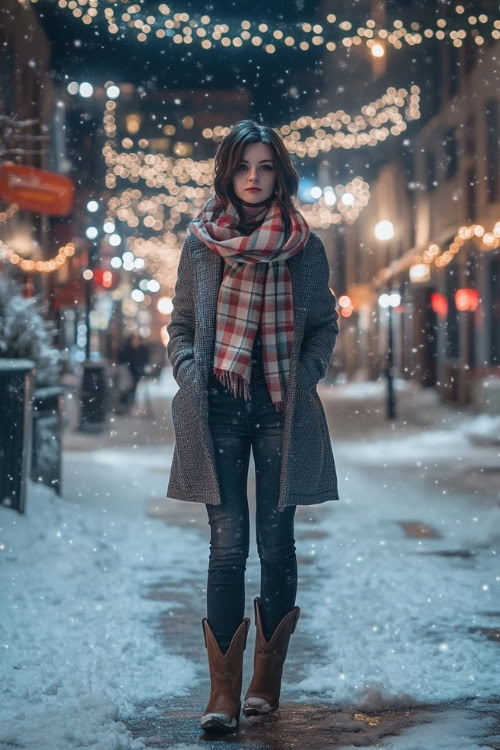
277	82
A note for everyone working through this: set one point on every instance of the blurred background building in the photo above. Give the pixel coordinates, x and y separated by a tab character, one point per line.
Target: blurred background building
393	123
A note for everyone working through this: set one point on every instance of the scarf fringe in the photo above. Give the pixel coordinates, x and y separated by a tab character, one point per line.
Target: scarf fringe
238	386
234	382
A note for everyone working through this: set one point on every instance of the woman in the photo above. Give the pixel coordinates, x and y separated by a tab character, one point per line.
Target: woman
252	331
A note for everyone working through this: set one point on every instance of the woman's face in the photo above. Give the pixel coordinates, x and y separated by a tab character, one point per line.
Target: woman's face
255	176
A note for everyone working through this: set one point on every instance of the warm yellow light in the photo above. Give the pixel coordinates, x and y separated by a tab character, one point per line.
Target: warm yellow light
133	123
384	230
164	305
378	50
420	272
164	336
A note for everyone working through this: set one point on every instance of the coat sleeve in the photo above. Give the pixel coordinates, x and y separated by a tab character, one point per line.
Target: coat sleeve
320	329
180	348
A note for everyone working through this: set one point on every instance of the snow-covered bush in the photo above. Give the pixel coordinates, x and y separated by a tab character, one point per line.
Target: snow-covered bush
25	333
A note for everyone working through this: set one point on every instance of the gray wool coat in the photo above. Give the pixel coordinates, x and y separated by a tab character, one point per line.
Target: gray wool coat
308	473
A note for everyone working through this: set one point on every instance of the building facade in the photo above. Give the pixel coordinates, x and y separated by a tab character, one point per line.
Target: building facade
444	258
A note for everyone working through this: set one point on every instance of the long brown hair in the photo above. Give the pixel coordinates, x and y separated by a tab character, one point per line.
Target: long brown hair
230	154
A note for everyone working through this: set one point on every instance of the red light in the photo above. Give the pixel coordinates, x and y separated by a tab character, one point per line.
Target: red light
466	300
439	304
105	278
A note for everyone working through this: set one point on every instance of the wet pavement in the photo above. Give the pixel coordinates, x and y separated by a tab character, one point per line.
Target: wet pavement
304	719
301	721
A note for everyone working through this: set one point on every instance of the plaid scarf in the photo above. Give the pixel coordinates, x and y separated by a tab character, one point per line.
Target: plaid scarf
256	287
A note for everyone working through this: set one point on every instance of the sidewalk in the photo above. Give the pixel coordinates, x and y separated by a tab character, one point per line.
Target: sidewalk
397	644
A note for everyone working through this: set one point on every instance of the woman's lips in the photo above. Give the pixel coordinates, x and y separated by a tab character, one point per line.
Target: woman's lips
254	190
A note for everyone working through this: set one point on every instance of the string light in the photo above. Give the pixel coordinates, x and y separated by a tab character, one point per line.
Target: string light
161	172
41	266
8	213
180	28
441	257
365	129
182	185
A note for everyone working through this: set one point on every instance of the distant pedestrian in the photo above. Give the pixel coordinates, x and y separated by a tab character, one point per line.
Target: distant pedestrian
252	331
133	354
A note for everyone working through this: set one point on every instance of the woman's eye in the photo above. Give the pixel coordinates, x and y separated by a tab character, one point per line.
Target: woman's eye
264	166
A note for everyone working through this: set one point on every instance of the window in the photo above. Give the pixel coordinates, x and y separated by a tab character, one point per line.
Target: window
470	192
450	154
492	135
495	312
470	141
452	331
7	79
453	70
470	53
430	170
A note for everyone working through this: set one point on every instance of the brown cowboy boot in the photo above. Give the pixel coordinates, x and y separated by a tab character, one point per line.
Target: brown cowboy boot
226	670
263	694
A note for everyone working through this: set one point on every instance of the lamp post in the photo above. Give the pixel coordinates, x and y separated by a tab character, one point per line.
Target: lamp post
93	396
389	300
384	231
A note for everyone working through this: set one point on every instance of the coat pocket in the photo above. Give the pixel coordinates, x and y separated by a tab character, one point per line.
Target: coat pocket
188	427
307	376
187	374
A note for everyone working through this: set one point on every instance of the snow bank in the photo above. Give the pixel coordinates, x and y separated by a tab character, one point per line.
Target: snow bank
78	647
401	622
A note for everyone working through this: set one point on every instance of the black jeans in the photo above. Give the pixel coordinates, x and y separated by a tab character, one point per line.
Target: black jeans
236	426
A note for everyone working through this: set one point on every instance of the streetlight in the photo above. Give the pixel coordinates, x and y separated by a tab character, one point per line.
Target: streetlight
384	231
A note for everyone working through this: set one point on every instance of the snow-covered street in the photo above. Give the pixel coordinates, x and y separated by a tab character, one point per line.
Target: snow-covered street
103	591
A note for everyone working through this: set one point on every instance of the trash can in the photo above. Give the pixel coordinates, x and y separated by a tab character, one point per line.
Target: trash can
16	385
93	396
47	436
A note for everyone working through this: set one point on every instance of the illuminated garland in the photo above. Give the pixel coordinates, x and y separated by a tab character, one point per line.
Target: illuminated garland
133	208
180	28
177	197
372	120
161	255
490	241
43	266
8	213
433	254
173	178
162	252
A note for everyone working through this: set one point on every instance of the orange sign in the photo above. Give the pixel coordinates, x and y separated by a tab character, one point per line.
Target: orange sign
36	190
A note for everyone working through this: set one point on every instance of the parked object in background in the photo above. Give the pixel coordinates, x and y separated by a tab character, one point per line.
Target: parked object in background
47	436
486	394
16	384
93	396
134	354
26	334
31	429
